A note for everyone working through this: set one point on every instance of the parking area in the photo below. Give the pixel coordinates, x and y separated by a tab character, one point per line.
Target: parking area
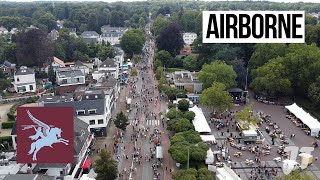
266	167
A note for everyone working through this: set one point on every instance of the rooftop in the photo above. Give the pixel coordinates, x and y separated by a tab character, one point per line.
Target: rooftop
186	77
87	34
108	63
53	99
24	70
8	64
69	72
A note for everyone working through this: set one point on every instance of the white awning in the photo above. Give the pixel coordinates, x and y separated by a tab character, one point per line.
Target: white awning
200	123
129	101
159	152
306	118
208	138
210	157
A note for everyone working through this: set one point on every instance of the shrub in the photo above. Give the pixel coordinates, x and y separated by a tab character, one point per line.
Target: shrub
7	125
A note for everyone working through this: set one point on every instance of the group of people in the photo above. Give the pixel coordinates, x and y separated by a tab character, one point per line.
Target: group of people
145	99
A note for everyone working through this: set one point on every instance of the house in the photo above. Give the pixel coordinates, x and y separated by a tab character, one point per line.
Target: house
119	55
56	63
91	106
90	36
189	37
14	31
31	27
110	66
68	79
24	80
186	51
73	32
8	68
111	34
60	24
83	139
186	80
107	82
53	35
3	31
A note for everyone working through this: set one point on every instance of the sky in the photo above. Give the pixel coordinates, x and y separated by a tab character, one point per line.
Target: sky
286	1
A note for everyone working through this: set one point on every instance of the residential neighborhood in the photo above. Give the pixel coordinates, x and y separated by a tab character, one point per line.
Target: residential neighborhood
129	91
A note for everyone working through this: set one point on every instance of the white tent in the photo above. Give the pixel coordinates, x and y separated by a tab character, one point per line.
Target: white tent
159	152
208	138
306	118
200	123
210	157
129	101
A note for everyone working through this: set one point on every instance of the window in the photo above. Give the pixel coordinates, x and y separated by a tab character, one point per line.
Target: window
81	112
92	111
180	87
92	122
64	81
100	121
78	79
31	87
18	79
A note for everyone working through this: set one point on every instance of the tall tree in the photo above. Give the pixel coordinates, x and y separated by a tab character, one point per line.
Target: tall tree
34	48
180	125
314	92
216	97
121	121
187	174
170	39
165	58
132	41
106	167
271	78
217	71
51	75
183	105
159	24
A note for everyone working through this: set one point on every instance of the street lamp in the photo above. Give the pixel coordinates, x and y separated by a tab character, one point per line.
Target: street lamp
196	145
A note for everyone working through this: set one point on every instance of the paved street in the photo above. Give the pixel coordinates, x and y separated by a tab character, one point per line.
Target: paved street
135	148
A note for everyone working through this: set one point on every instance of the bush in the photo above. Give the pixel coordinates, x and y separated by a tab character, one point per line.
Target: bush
7	125
6	139
11	113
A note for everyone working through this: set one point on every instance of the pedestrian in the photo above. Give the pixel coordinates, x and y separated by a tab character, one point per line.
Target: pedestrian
170	170
166	168
105	146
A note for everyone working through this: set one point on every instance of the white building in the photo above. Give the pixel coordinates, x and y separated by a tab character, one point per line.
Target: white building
24	80
3	30
189	38
110	66
119	56
69	76
56	63
111	34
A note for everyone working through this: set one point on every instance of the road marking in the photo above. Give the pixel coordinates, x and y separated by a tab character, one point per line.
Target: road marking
153	122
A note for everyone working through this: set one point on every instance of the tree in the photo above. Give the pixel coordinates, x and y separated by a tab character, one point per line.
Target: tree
204	174
314	92
132	41
271	78
34	48
4	83
216	97
190	63
170	39
173	113
159	24
189	115
134	72
180	125
121	121
217	71
188	174
183	105
105	51
296	175
165	58
51	75
247	116
106	167
239	67
159	73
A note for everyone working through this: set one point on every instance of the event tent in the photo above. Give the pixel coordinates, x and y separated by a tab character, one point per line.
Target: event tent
210	157
159	152
200	123
208	138
306	118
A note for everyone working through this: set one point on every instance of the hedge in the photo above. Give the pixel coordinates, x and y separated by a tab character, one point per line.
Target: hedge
6	138
7	125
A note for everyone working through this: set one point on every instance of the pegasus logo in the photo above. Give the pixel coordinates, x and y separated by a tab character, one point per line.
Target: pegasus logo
45	136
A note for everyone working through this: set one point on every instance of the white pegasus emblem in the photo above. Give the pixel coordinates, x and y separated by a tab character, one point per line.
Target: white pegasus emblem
45	136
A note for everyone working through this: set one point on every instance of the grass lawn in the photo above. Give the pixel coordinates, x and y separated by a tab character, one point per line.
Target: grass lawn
171	70
308	106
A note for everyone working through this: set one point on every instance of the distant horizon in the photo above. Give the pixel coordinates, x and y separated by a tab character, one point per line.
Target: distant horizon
111	1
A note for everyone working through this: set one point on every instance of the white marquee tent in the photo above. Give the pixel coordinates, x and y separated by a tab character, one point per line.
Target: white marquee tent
210	157
306	118
208	138
200	123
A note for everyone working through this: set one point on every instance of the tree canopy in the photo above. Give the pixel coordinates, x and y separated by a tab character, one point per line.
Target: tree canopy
170	39
121	121
183	105
216	97
180	125
132	41
106	167
217	71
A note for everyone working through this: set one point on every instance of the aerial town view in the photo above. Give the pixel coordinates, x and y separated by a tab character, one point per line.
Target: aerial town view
128	90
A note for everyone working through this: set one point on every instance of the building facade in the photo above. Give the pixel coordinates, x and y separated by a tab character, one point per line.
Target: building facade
189	37
24	80
68	79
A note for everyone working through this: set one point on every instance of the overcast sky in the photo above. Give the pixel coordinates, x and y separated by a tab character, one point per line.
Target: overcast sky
291	1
